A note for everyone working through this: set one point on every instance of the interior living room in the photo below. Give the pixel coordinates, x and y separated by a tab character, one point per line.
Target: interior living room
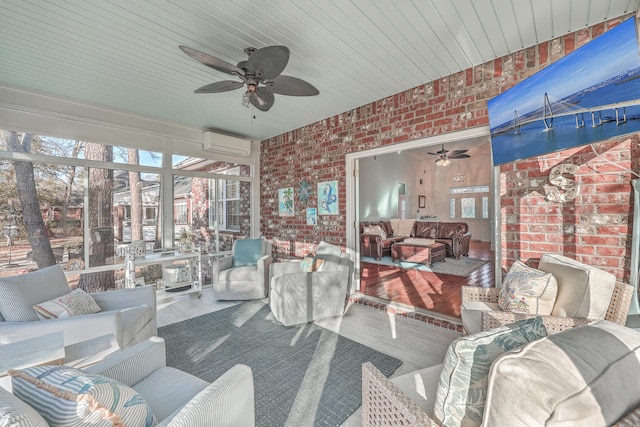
297	213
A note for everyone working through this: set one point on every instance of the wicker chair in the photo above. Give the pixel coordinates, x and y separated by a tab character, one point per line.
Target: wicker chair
616	312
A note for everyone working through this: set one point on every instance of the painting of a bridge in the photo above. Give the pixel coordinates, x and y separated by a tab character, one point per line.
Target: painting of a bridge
590	95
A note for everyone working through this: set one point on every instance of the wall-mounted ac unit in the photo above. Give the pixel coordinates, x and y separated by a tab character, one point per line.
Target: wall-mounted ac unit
226	144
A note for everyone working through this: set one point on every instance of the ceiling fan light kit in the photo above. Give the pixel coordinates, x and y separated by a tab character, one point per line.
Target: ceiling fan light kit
260	74
444	156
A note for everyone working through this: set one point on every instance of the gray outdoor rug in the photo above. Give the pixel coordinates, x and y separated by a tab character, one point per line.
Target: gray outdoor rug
458	267
303	375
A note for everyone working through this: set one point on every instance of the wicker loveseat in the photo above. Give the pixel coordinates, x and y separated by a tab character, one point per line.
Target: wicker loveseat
561	379
597	292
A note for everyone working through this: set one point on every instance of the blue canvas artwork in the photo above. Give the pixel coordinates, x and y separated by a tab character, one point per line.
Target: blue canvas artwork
312	216
590	95
328	198
285	202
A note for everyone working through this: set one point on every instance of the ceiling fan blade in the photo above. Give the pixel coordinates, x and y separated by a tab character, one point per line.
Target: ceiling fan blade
262	99
268	62
459	151
292	86
223	86
212	61
459	156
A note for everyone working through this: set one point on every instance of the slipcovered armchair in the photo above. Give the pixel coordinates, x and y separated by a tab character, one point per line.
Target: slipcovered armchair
244	275
133	387
127	314
299	296
584	294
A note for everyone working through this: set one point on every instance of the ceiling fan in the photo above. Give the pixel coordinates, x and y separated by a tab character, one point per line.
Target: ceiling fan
444	156
260	74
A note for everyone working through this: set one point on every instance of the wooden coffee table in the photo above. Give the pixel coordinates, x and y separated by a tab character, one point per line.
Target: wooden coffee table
425	254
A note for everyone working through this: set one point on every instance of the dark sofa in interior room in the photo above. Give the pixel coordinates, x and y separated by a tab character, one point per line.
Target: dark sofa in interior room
377	245
455	235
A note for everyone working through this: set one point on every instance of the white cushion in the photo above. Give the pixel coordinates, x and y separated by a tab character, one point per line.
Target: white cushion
74	303
134	320
585	376
167	390
68	396
421	386
236	274
471	314
460	399
527	290
18	294
330	254
16	413
583	291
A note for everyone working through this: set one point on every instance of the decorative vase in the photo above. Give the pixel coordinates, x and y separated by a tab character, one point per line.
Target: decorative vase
138	248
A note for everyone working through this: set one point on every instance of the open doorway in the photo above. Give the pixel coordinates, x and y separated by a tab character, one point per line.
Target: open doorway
403	184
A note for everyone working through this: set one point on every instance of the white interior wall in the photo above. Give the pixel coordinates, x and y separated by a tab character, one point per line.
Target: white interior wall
379	178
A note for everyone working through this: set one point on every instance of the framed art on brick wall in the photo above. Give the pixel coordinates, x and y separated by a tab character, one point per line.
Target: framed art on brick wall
328	198
285	202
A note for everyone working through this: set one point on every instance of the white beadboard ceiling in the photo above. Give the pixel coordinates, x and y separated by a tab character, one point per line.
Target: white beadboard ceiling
124	54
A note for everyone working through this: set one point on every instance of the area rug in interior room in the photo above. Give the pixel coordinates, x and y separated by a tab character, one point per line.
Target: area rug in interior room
303	375
457	267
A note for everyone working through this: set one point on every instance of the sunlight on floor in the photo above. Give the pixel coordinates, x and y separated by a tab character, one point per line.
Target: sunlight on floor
305	406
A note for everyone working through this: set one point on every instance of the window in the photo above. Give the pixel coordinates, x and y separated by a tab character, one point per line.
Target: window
468	207
181	211
452	207
228	212
485	207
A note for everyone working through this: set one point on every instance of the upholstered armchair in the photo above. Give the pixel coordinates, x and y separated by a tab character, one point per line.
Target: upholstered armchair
584	294
244	275
133	387
299	296
129	315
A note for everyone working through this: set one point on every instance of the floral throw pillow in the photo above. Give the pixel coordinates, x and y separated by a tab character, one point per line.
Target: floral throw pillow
74	303
462	390
527	290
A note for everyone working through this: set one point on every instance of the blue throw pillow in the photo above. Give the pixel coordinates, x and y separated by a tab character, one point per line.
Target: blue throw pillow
247	252
462	390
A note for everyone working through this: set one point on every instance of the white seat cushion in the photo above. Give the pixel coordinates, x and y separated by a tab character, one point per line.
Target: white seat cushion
167	389
421	386
471	314
583	291
238	274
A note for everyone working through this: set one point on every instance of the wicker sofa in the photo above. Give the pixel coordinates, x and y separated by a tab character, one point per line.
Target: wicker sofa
454	235
562	379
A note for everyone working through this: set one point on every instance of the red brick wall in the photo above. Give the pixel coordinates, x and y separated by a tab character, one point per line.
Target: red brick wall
316	152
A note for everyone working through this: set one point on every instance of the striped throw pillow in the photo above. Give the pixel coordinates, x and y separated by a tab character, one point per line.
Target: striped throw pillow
66	396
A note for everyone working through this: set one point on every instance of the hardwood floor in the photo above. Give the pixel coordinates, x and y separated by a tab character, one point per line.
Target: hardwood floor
416	343
438	293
